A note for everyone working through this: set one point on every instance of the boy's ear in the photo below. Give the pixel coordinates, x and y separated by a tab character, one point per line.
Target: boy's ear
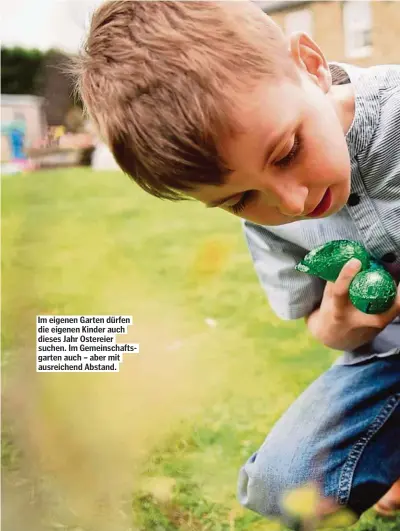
309	58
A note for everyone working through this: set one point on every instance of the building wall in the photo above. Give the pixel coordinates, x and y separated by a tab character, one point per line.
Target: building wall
386	32
30	110
328	30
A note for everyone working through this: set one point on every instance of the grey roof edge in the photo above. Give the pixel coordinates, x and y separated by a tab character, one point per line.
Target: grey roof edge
12	99
273	6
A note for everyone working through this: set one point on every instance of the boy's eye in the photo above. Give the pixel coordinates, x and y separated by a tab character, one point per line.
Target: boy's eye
290	157
286	161
242	203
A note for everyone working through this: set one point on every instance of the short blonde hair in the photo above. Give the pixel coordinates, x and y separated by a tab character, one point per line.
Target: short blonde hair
159	80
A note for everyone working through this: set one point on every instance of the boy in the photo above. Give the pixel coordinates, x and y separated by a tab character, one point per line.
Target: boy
210	101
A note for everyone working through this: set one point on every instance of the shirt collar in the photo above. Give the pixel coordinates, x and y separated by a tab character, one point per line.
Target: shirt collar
367	106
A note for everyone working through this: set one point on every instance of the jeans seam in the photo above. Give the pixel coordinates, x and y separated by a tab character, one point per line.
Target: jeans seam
347	473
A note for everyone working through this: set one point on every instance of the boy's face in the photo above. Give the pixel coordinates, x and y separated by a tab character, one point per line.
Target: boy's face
292	156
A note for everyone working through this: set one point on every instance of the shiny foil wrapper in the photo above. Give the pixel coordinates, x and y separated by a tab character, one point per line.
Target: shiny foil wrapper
372	290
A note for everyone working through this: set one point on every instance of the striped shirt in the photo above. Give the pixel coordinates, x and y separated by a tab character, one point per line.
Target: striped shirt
371	216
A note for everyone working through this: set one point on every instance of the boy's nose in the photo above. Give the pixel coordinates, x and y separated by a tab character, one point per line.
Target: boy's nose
292	207
291	199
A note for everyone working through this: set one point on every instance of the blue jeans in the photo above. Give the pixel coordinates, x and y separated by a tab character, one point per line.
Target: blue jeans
343	433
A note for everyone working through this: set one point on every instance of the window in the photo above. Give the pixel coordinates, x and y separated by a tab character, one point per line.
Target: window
299	21
357	22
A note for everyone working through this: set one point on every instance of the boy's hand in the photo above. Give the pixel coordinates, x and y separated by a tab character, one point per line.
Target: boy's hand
340	325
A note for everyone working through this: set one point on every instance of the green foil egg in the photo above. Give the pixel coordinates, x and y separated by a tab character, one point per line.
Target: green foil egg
326	261
373	291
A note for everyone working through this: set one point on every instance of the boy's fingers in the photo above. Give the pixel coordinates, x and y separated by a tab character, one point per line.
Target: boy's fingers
340	289
397	303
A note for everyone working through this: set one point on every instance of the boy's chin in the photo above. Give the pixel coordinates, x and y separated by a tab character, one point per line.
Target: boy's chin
340	203
334	209
340	196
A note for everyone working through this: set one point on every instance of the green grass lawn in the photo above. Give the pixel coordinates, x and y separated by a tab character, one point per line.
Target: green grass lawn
216	368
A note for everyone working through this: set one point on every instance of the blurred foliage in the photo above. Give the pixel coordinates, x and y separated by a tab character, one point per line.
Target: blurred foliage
74	120
57	89
42	73
21	70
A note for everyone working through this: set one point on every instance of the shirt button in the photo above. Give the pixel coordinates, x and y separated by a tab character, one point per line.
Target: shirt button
353	200
389	258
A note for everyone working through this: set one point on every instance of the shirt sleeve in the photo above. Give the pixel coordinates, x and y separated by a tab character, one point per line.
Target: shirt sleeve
291	294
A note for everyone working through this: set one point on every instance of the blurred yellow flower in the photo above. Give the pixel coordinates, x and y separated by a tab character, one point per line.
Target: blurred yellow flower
301	502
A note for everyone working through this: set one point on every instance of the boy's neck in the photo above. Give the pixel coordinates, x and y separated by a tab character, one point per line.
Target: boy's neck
343	99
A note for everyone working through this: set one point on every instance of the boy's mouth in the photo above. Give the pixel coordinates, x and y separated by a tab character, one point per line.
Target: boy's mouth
323	205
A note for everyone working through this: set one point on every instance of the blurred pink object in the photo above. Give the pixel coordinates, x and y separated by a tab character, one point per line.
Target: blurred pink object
27	165
78	140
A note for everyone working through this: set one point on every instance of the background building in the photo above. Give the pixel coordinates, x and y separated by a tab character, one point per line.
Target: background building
23	112
352	31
